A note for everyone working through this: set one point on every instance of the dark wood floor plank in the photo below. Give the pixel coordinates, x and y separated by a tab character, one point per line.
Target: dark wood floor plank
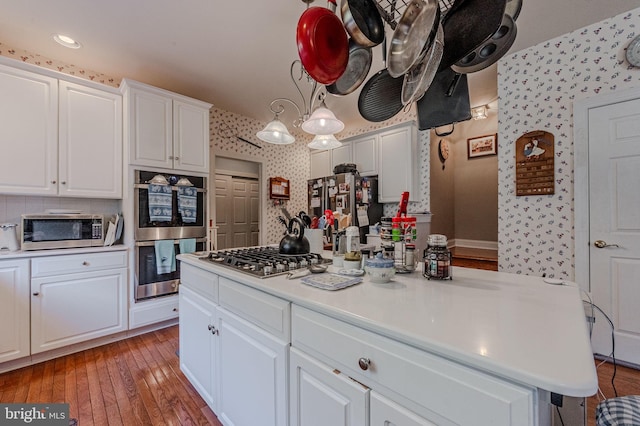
58	395
35	384
128	371
125	411
85	415
70	385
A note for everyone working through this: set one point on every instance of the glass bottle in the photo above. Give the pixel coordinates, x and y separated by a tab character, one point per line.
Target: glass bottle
437	258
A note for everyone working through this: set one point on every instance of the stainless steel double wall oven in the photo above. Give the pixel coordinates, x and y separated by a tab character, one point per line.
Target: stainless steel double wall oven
148	282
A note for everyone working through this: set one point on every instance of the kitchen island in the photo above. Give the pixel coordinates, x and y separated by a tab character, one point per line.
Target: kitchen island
485	348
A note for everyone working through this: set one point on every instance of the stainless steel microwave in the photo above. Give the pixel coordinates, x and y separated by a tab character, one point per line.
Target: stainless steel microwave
54	231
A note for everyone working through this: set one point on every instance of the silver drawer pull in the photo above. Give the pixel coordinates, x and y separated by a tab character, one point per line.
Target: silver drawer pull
364	363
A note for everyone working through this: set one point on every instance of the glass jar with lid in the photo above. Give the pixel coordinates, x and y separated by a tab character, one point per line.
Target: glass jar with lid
437	258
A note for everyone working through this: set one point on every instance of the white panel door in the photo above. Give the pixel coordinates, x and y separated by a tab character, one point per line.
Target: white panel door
396	148
90	142
341	155
29	132
614	234
14	305
190	137
321	396
320	164
365	154
252	376
150	129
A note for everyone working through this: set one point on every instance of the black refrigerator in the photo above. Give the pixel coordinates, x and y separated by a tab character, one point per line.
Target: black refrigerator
349	194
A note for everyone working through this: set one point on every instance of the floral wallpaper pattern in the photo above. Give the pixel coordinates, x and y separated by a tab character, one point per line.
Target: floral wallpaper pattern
537	87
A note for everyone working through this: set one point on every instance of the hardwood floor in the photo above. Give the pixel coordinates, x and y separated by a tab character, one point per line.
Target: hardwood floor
138	382
132	382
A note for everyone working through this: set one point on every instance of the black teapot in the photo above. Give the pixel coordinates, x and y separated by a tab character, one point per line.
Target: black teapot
294	241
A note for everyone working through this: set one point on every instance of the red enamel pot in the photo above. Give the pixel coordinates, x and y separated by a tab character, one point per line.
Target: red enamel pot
323	46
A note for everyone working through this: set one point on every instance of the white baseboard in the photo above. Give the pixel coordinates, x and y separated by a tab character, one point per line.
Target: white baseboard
476	244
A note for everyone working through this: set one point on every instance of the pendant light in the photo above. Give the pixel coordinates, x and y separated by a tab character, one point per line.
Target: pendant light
324	142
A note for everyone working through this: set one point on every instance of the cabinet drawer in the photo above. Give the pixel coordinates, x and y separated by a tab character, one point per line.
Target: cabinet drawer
433	387
199	280
153	311
267	312
75	263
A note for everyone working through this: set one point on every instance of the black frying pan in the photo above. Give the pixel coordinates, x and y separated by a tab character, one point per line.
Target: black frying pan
358	67
466	26
381	97
362	21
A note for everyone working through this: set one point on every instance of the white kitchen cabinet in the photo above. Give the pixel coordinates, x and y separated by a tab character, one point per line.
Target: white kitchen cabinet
385	412
341	155
29	132
62	138
199	343
253	374
164	129
320	164
14	305
69	307
397	160
365	154
320	395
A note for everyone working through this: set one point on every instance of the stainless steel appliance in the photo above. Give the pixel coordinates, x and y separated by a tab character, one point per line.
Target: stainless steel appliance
54	231
263	262
149	282
347	193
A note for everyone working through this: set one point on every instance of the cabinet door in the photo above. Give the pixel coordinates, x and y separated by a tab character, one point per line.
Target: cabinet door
67	309
198	344
14	305
90	142
190	137
323	396
29	133
341	155
385	412
252	376
396	164
320	164
365	154
150	128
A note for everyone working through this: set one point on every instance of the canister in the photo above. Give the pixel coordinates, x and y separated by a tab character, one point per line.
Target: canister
437	258
385	229
397	231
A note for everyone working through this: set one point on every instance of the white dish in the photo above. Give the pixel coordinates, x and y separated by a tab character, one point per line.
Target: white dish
330	281
63	211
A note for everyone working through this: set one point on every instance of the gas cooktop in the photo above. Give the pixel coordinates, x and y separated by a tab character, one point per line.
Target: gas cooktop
263	262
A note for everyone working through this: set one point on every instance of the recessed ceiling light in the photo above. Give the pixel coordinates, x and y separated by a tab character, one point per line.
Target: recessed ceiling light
66	41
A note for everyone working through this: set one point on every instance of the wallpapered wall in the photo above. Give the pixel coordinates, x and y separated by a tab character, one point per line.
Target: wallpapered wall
537	88
290	161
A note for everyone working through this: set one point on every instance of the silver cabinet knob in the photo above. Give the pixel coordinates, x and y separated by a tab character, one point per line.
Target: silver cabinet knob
212	329
171	157
36	294
177	158
53	182
364	363
63	182
85	263
603	244
175	309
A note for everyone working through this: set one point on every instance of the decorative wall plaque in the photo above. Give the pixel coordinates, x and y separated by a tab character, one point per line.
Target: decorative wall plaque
535	163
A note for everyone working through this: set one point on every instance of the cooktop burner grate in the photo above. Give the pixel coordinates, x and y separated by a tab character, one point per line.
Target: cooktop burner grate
263	262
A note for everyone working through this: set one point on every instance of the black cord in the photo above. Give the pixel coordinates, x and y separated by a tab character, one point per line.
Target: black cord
613	347
559	415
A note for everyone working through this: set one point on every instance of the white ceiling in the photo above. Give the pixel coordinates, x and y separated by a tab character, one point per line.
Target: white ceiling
234	54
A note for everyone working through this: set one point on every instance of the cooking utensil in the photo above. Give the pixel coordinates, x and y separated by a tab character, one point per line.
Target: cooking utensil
492	49
415	31
294	241
306	219
468	26
418	79
322	42
445	102
380	97
362	21
358	67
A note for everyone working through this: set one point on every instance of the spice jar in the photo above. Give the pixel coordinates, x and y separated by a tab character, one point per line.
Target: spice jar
385	229
397	231
437	258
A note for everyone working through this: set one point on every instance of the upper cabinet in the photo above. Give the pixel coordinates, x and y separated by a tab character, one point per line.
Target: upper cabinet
320	164
59	137
165	129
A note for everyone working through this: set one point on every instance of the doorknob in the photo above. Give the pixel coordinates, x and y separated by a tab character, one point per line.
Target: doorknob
603	244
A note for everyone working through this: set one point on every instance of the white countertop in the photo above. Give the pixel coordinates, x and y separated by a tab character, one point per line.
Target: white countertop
514	326
26	254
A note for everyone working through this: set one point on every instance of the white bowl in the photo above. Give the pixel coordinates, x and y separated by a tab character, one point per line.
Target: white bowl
352	264
380	275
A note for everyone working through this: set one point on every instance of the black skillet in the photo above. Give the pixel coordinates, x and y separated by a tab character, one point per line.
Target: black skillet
358	67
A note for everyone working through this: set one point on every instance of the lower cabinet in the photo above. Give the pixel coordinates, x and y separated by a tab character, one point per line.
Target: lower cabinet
75	298
14	306
320	395
385	412
253	372
199	343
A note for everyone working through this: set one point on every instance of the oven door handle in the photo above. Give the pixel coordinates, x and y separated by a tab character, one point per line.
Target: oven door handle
150	243
173	187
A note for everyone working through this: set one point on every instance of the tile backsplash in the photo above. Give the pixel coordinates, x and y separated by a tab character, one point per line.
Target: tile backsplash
13	206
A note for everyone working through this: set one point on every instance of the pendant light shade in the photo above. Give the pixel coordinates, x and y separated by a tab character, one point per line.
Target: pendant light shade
324	142
322	122
276	132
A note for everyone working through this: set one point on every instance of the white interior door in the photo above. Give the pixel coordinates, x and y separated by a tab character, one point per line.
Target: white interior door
614	225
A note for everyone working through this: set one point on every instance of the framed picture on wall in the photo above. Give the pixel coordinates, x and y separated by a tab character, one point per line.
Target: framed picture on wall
482	145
